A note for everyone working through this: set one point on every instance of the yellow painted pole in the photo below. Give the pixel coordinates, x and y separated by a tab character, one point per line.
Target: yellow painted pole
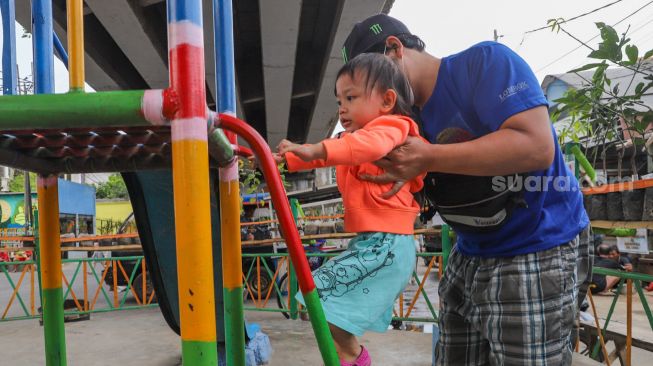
75	18
232	264
50	262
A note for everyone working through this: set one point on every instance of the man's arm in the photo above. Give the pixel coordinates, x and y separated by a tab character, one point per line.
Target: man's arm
523	143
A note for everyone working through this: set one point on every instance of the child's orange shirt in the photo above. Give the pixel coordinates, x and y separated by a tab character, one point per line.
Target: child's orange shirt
354	154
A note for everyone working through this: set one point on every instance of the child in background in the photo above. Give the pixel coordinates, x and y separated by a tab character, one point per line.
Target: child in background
358	288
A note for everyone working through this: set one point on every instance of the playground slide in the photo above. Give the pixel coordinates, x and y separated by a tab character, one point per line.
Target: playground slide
151	195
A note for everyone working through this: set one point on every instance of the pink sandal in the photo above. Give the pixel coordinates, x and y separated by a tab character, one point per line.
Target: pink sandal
363	359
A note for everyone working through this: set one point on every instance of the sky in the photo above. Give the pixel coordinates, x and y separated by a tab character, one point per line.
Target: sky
24	60
452	26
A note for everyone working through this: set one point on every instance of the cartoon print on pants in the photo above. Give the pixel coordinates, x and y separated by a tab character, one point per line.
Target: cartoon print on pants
343	274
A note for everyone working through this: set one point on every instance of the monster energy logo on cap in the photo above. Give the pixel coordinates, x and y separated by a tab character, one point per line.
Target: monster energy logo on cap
344	54
376	28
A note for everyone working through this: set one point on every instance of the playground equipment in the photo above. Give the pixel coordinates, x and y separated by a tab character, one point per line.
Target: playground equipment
136	132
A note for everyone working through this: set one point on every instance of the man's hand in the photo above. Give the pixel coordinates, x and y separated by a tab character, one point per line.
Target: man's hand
308	152
401	165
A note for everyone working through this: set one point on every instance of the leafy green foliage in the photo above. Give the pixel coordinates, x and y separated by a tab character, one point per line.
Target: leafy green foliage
17	183
251	177
113	188
598	109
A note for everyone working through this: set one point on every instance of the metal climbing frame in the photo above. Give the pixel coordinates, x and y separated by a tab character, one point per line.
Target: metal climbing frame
79	132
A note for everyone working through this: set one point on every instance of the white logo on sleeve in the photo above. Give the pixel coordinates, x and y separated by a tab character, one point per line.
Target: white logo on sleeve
512	90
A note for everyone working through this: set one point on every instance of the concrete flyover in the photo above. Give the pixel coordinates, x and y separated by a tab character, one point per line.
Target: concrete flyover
286	53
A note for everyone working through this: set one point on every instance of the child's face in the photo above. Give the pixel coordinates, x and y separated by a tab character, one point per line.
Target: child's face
357	106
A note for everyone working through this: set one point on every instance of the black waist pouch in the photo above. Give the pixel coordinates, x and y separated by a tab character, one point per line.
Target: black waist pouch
474	204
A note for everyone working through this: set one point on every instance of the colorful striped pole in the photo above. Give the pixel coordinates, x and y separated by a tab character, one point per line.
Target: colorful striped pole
232	265
50	266
190	175
48	198
289	230
75	19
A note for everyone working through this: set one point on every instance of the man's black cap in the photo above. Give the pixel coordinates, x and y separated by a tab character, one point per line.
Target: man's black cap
370	33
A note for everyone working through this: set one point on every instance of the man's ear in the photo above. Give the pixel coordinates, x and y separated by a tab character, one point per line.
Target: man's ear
394	47
389	101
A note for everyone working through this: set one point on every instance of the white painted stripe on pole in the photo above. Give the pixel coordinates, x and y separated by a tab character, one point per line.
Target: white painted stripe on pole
185	32
152	106
230	172
189	129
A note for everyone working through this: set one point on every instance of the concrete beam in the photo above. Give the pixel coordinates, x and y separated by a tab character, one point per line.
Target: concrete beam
209	47
126	25
95	76
325	114
279	31
144	3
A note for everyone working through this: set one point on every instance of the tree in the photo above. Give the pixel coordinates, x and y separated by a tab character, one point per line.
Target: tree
598	109
17	183
113	188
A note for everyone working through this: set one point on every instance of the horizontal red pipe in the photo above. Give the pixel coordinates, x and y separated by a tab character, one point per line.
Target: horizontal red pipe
243	151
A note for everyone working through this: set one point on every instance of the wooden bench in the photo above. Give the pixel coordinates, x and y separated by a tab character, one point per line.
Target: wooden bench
616	333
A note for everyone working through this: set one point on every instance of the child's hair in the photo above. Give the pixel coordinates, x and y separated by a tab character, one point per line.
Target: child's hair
379	72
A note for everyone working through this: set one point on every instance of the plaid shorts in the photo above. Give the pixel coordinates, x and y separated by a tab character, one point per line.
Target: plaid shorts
512	311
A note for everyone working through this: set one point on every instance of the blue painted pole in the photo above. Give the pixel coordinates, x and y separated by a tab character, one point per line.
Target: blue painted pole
223	28
9	79
42	36
60	50
50	259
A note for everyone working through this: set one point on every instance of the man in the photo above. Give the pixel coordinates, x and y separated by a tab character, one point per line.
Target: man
608	256
509	294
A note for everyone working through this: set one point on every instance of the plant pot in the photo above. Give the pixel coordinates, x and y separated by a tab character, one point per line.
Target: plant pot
596	206
633	204
327	228
647	214
310	229
615	210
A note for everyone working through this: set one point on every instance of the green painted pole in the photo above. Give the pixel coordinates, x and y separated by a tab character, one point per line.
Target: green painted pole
103	109
597	346
446	246
219	146
292	277
583	162
322	333
50	263
292	280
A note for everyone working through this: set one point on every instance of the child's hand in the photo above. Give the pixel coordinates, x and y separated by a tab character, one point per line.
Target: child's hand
278	158
308	152
286	146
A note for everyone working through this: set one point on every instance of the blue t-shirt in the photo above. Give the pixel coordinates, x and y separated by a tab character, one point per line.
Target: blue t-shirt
478	90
